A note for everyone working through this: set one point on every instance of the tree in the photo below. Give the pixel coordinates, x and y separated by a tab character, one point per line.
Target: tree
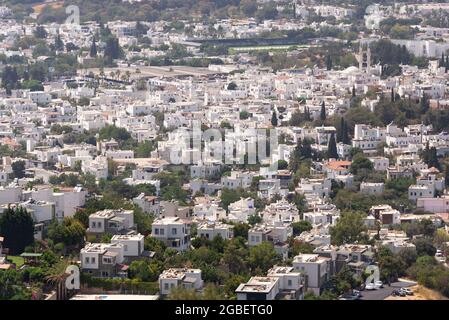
342	132
232	86
244	115
181	293
424	103
248	7
12	287
328	62
235	255
389	265
274	119
441	237
40	32
393	96
349	228
267	12
17	227
323	112
10	78
56	276
70	232
303	151
282	164
33	85
241	230
112	50
332	148
424	246
82	215
446	174
59	44
262	257
143	271
298	247
301	226
254	219
18	169
360	163
93	48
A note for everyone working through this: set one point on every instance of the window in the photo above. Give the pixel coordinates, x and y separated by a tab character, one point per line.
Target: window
94	224
162	232
92	259
99	224
166	286
289	283
125	248
156	231
173	231
86	260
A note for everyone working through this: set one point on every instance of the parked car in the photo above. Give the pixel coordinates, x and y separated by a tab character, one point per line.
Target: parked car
398	292
378	284
370	286
407	291
357	293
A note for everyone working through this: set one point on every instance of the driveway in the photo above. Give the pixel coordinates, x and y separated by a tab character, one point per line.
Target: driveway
386	291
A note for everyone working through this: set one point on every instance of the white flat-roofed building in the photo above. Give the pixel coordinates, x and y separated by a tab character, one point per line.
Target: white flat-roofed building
280	283
149	204
240	210
111	221
10	194
173	231
416	191
315	269
434	205
380	163
375	188
102	259
237	180
281	210
119	154
176	277
210	230
133	245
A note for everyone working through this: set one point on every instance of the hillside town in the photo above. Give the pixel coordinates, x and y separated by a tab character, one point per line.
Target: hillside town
259	150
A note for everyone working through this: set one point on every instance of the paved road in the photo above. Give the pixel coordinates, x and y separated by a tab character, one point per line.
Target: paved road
386	291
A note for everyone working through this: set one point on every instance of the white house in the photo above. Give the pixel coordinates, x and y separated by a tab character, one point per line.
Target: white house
185	278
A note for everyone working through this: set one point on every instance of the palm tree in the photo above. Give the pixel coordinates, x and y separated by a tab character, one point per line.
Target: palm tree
56	276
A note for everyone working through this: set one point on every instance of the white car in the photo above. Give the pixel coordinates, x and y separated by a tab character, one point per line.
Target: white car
378	284
370	286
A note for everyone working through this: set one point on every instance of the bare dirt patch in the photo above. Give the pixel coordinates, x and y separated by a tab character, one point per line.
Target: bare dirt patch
421	293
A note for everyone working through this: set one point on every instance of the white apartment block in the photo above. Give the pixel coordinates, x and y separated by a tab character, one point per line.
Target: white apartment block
173	231
237	180
417	191
211	230
185	278
133	245
315	269
280	283
374	188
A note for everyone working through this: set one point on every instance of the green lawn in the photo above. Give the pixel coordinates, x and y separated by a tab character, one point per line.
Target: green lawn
18	261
